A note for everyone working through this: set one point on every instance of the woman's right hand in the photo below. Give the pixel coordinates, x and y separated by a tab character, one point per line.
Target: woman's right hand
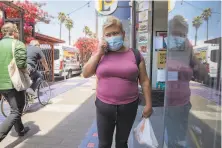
103	45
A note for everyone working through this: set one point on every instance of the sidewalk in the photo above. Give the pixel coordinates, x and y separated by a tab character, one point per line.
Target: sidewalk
57	88
206	92
63	123
69	122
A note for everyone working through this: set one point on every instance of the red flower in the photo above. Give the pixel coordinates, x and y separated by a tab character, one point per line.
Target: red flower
33	13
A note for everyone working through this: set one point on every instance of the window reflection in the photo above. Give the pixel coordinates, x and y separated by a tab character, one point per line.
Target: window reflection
193	94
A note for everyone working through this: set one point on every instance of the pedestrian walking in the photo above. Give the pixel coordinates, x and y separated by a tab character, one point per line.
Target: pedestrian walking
118	69
16	99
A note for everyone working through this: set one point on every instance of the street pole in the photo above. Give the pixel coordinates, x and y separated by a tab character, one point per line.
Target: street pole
133	27
96	23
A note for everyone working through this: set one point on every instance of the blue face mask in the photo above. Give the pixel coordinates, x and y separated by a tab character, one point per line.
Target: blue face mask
174	41
114	42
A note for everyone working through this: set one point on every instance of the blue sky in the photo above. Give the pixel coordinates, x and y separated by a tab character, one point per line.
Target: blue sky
86	16
82	17
190	9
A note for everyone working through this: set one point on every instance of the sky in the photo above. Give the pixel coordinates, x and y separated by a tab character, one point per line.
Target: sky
81	18
86	16
190	9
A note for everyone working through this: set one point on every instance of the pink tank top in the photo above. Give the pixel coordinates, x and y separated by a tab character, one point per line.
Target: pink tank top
117	75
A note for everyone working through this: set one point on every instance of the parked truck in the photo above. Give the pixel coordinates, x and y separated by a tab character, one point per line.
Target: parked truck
207	54
66	61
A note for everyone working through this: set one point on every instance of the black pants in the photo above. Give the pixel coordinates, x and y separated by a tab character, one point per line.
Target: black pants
110	116
16	101
176	123
35	76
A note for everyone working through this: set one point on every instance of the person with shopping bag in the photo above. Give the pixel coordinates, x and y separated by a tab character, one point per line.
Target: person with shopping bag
118	69
12	56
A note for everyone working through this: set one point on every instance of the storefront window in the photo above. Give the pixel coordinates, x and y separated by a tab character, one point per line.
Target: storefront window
192	117
144	30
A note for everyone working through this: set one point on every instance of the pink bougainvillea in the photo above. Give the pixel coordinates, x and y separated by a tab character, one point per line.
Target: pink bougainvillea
86	47
33	14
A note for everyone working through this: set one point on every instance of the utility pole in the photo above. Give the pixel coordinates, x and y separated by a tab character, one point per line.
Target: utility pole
96	13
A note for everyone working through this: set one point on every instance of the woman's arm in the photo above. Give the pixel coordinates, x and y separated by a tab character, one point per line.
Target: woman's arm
89	68
145	84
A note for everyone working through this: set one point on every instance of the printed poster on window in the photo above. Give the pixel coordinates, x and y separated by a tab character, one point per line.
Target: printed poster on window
143	48
143	16
142	5
161	59
143	38
143	27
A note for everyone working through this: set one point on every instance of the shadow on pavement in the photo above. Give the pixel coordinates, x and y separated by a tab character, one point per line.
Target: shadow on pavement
69	132
33	130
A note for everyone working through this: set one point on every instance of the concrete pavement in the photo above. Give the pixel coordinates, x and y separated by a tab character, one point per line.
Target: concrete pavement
63	123
69	122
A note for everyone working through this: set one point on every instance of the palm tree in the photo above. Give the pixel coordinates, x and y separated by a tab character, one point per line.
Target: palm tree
86	30
197	21
69	26
61	18
206	15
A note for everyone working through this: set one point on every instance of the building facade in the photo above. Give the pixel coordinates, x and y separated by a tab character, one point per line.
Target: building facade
181	45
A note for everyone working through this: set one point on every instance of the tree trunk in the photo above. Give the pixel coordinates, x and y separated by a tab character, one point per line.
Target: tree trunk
60	33
207	29
196	37
69	37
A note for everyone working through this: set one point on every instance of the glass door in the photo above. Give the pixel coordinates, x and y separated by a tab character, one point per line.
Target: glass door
192	117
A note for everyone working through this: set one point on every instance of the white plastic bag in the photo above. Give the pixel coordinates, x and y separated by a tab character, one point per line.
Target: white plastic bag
145	135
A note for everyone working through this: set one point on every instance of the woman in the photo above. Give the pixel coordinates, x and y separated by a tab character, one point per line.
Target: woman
117	88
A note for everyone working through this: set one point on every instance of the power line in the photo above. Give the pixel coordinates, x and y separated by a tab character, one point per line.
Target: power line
80	8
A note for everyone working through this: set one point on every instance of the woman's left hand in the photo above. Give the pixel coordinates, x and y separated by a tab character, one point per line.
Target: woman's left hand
147	111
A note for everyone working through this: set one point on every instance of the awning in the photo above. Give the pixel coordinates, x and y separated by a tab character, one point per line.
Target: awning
47	39
214	41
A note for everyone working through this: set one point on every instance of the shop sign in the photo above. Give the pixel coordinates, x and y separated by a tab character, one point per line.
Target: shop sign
106	7
171	5
161	59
